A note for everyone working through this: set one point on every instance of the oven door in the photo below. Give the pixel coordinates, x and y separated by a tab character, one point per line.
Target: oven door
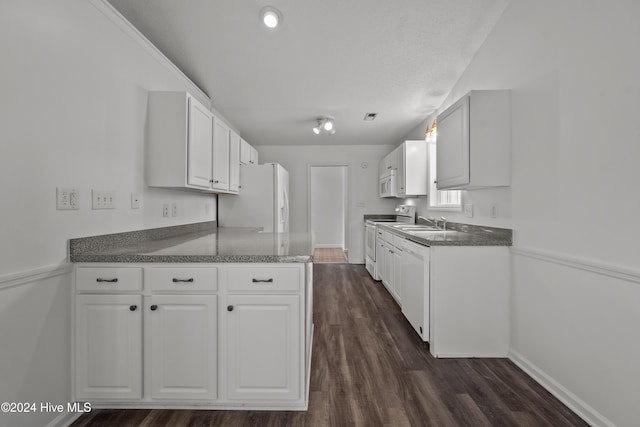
370	241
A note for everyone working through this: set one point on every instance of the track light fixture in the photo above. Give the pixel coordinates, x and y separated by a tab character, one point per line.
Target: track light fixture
325	124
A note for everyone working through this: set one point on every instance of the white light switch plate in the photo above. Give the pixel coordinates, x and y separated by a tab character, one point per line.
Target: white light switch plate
103	199
67	199
468	210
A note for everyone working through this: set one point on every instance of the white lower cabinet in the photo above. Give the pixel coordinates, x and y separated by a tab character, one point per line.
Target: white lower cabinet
390	268
397	275
108	351
264	352
182	332
455	297
217	336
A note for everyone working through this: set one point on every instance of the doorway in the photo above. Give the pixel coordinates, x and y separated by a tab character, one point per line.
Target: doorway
327	207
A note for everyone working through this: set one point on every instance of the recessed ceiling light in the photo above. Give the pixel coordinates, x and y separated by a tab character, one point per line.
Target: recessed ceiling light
270	17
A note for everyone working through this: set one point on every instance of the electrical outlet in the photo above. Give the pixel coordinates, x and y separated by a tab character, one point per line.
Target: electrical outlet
494	210
468	210
165	210
174	209
67	199
135	200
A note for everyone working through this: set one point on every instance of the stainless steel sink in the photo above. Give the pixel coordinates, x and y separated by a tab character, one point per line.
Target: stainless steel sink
415	227
433	233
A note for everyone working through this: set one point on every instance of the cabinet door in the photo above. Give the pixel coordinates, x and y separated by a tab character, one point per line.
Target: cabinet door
234	162
245	152
199	145
397	275
253	155
453	146
182	338
401	175
388	268
380	264
108	347
264	347
221	136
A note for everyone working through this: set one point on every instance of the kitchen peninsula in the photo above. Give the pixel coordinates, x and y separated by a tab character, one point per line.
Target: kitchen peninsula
193	316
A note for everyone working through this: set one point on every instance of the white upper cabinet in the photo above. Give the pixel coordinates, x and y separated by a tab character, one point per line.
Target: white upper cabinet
248	154
221	141
179	141
189	147
412	168
389	162
253	155
234	162
199	145
474	142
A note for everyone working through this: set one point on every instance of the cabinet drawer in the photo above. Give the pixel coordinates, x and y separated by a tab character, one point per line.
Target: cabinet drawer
109	279
397	241
183	279
264	279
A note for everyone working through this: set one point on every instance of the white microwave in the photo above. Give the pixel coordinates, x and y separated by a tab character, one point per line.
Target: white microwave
387	187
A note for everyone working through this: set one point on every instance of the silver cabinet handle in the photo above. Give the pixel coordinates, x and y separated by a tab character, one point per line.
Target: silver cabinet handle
270	280
101	280
189	280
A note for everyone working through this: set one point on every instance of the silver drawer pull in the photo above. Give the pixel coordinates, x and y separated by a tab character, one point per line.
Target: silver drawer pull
101	280
190	280
262	280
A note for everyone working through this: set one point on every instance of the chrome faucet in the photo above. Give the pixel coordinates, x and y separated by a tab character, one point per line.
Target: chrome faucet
431	219
444	222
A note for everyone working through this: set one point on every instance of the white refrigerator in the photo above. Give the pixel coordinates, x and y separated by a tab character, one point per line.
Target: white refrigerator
263	200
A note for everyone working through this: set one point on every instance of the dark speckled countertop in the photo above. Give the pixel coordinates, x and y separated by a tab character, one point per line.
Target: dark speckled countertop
202	242
457	234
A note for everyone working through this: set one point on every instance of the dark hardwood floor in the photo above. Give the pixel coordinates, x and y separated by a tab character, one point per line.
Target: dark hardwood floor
370	369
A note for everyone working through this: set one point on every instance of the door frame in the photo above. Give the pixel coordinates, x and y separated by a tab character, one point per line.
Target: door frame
345	195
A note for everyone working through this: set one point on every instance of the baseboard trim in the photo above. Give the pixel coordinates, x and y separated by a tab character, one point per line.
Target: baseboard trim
30	276
580	264
573	402
65	419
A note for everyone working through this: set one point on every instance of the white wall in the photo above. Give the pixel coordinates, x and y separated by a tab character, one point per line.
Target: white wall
328	205
573	69
73	110
362	181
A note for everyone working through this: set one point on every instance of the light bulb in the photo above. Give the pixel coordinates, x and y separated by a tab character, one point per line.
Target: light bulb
316	130
271	17
328	125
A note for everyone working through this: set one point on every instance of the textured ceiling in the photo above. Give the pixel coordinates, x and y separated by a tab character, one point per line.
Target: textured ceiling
398	58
